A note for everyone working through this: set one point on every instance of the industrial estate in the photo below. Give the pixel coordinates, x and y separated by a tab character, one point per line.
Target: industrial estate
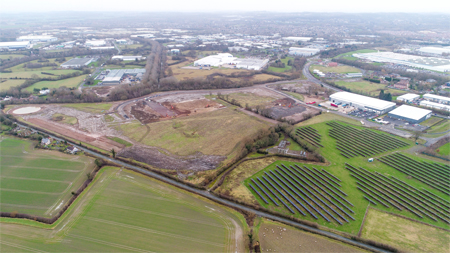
240	133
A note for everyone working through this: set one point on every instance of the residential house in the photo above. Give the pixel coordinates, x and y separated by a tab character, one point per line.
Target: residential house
45	141
72	150
402	84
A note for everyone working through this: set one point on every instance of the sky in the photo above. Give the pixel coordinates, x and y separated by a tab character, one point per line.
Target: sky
349	6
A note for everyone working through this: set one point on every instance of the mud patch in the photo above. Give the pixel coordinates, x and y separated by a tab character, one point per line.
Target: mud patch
152	156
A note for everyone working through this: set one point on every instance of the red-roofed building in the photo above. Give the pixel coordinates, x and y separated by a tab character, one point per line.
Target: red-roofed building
402	84
332	64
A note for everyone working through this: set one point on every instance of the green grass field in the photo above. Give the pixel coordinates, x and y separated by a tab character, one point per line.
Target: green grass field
10	83
285	69
121	141
69	83
10	56
368	87
431	121
338	69
133	46
440	128
445	149
37	181
250	98
124	211
404	234
91	108
64	119
212	133
29	73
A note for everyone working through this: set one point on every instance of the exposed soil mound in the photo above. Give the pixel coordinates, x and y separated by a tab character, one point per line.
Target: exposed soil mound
153	157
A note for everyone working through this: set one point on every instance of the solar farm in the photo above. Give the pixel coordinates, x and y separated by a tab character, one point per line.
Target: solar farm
391	191
353	142
310	135
433	174
338	194
309	191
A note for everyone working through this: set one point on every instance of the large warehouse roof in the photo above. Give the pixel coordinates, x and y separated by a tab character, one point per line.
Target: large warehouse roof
408	96
434	105
14	44
432	96
369	102
434	50
128	57
410	112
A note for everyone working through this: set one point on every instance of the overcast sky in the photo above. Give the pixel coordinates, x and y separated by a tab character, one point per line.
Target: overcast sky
409	6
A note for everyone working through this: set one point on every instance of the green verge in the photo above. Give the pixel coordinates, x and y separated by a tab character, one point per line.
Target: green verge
121	141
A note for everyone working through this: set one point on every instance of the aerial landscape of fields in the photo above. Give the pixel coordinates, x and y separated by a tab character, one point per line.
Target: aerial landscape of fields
250	127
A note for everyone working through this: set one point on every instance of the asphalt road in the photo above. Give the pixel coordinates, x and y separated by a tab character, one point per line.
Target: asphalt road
212	197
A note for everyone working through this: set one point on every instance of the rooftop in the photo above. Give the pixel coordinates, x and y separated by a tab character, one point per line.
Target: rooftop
410	112
77	61
436	97
408	96
369	102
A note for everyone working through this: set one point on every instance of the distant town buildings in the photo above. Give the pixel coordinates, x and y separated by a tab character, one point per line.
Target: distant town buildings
303	51
128	58
430	63
95	43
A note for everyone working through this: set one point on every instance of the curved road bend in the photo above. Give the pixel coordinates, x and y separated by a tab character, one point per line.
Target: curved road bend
210	196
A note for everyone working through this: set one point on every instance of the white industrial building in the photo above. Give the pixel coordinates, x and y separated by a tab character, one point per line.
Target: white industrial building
37	38
409	97
353	75
77	63
437	99
303	51
362	102
229	59
426	103
216	60
421	62
251	63
144	36
411	114
296	39
438	51
319	73
115	76
15	45
95	43
128	58
121	41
